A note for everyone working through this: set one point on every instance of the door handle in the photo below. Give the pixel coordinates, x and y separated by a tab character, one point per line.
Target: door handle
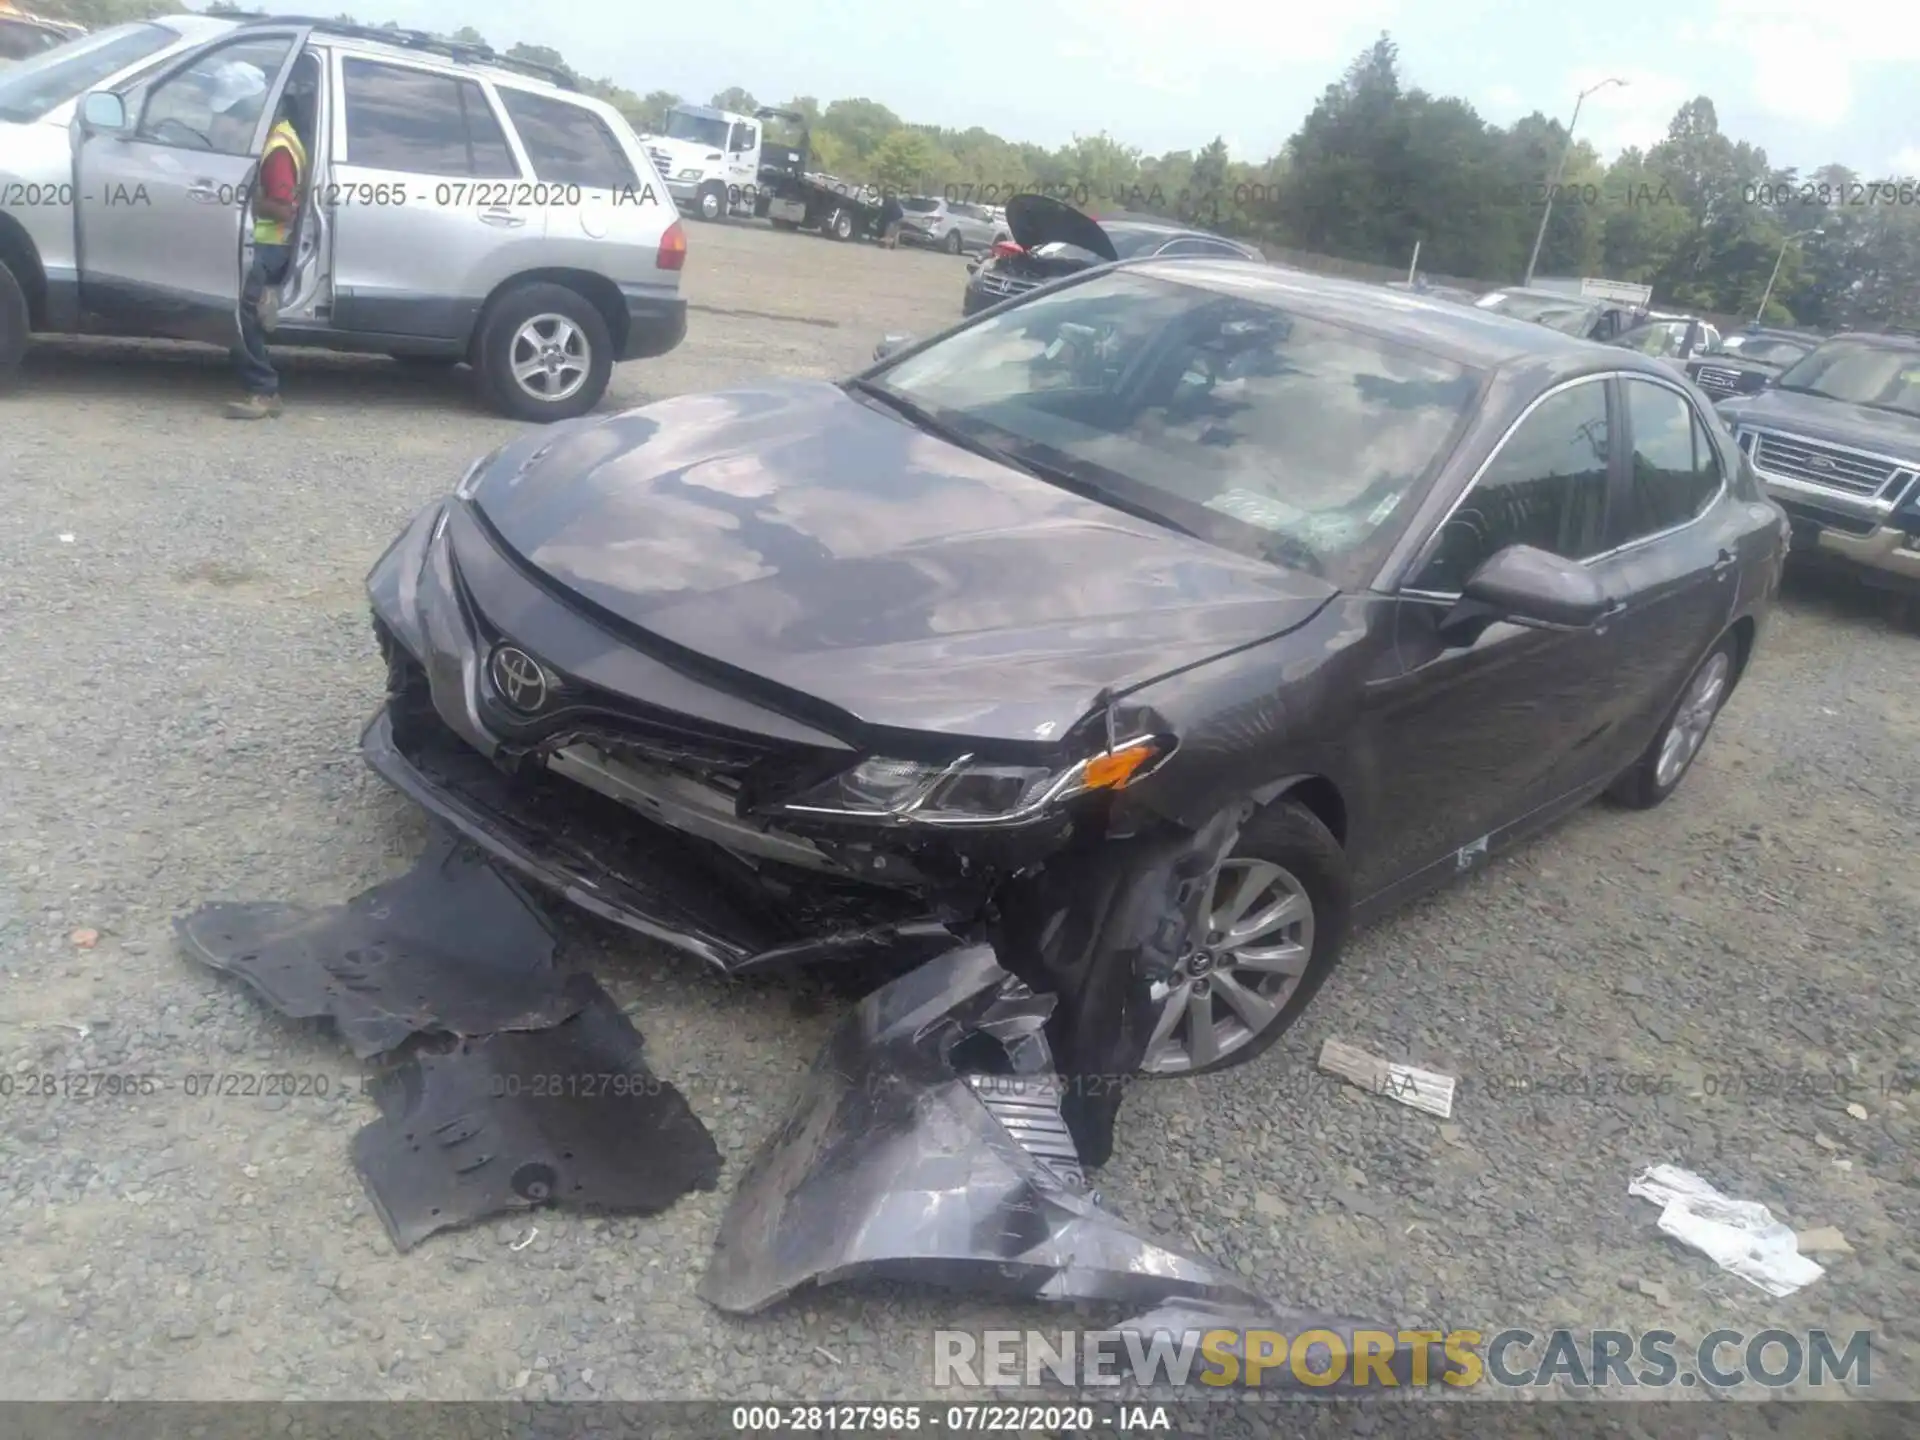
500	215
1723	561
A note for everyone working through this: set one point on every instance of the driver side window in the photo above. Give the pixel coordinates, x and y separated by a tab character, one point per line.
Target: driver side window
742	139
216	103
1545	487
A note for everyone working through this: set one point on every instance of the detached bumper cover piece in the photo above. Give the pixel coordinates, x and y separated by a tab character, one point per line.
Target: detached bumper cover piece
567	1116
895	1165
453	945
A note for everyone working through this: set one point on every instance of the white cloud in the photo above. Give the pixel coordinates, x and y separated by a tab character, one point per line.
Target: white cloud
1906	162
1503	100
1803	58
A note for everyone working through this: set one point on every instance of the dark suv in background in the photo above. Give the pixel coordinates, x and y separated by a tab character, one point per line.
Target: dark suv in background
1744	364
1836	439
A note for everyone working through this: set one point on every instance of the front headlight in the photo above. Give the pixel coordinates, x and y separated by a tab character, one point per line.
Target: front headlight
969	792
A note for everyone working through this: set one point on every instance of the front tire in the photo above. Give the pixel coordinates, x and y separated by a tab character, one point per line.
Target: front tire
711	203
1665	762
840	225
1277	913
16	325
954	243
544	353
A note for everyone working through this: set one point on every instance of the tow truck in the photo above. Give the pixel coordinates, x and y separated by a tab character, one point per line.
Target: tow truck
719	163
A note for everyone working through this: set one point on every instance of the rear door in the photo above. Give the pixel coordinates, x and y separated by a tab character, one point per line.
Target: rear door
1672	557
426	198
162	206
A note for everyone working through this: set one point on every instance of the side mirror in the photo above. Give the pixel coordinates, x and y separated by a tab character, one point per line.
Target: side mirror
103	112
889	344
1530	587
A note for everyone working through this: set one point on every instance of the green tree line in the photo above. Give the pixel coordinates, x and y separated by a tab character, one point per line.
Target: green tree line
1378	166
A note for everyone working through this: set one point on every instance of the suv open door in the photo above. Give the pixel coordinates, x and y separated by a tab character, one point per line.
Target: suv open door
163	175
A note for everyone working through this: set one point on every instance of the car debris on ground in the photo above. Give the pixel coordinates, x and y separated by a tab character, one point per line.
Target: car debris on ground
1426	1090
512	1083
1740	1236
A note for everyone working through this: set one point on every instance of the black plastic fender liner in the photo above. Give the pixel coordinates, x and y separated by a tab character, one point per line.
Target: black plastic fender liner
894	1164
1098	927
568	1116
453	945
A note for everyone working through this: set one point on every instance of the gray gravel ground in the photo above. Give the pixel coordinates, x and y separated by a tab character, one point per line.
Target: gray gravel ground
186	668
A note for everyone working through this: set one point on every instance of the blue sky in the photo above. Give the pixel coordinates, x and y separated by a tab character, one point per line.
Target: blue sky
1811	81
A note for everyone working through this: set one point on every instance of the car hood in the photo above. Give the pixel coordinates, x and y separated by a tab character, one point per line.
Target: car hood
1036	220
818	549
1834	421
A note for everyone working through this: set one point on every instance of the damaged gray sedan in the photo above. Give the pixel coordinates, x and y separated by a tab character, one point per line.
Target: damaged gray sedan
1152	629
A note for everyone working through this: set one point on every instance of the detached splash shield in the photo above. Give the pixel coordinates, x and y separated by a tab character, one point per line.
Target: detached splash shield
897	1165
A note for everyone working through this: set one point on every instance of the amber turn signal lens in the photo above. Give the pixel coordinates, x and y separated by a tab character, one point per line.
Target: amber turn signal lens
1115	769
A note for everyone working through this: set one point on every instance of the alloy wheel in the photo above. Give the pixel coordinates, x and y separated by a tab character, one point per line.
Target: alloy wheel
1240	971
1692	719
550	358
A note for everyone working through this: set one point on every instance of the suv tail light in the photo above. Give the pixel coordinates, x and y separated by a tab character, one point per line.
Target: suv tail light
673	248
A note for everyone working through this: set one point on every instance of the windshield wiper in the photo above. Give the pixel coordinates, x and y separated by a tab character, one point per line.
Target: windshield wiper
925	419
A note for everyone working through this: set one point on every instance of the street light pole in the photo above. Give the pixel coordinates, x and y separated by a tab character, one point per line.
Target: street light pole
1559	169
1778	260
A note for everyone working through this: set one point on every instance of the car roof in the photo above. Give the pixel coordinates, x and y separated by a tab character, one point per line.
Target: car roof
1483	339
1898	339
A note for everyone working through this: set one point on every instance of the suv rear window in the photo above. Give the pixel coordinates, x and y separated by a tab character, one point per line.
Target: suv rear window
422	123
568	144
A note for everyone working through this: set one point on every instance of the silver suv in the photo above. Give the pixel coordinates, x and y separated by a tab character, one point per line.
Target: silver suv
461	207
951	225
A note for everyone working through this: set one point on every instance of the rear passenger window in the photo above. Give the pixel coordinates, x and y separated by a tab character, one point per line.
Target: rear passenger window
1675	470
422	123
1545	487
568	144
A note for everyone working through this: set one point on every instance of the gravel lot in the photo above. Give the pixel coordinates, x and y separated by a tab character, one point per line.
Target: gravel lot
186	671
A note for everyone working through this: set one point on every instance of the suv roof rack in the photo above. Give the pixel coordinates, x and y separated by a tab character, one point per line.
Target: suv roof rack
463	51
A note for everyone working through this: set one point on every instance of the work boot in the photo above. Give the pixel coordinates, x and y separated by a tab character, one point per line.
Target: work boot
254	407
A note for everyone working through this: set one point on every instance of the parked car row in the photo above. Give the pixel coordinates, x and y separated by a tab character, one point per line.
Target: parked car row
149	133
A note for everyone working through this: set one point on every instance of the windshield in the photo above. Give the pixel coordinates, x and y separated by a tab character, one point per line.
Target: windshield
1276	435
53	77
1861	372
1556	312
700	129
1764	349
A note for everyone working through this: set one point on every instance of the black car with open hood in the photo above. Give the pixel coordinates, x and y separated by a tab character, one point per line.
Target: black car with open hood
1052	239
1144	629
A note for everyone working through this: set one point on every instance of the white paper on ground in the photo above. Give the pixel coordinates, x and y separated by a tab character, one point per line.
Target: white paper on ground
1737	1235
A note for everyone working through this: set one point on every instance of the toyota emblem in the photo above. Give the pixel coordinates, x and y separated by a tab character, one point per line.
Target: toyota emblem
521	680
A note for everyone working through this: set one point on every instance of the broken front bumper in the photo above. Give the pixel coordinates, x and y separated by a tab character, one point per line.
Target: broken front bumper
435	741
896	1165
928	1145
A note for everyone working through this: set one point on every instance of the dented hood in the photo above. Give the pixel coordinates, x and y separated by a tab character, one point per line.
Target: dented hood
816	547
1036	220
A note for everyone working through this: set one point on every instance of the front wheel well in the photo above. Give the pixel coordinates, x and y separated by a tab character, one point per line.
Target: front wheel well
20	255
1322	797
597	290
